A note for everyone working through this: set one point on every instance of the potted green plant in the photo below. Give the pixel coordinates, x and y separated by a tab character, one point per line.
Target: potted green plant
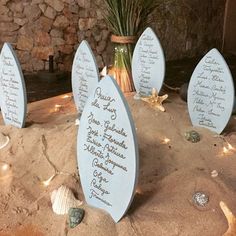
126	19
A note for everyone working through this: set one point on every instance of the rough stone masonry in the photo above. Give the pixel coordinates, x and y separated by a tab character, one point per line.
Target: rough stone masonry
39	28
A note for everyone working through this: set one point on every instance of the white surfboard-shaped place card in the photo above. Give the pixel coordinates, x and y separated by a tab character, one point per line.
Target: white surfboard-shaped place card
107	150
211	93
148	63
13	100
85	75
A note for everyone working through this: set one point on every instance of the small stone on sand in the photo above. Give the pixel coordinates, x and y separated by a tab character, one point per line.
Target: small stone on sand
192	136
76	215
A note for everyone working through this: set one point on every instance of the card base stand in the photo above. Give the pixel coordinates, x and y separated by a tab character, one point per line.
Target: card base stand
108	179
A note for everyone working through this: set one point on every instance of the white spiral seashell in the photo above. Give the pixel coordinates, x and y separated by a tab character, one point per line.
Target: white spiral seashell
4	140
63	199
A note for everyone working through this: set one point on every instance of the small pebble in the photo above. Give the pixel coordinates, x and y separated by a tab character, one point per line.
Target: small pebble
214	174
200	199
76	215
192	136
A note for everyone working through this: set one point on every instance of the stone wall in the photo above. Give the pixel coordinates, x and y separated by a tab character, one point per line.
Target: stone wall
189	28
39	28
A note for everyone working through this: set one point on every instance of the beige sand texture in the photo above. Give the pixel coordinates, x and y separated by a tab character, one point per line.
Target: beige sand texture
169	175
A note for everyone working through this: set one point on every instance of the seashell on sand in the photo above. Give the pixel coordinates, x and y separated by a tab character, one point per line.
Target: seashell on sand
200	199
214	174
63	199
4	140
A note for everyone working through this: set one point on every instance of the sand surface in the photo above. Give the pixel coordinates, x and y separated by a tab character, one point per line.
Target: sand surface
169	175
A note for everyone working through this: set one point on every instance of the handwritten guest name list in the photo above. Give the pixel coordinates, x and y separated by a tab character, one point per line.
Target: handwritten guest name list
211	93
12	88
148	64
85	75
107	150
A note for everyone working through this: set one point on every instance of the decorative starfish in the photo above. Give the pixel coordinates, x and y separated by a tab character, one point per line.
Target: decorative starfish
154	100
230	218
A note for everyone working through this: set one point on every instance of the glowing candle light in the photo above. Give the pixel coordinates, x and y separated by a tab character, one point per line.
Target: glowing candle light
230	147
5	167
225	151
48	181
65	96
228	150
57	107
5	171
166	140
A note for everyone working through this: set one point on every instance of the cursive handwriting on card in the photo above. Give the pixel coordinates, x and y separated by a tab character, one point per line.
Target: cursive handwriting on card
105	145
209	90
10	88
147	57
85	72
